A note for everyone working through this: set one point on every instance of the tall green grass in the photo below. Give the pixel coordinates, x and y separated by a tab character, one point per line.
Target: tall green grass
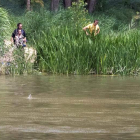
65	52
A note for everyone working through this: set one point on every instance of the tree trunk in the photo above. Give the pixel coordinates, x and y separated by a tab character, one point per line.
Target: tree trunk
91	6
28	5
87	2
67	3
54	5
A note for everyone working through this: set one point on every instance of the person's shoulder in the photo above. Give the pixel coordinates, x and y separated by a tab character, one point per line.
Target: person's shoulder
23	30
15	30
89	25
97	25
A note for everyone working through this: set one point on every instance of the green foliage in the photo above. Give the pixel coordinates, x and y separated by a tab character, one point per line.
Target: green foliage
101	5
38	2
132	4
13	6
4	23
76	14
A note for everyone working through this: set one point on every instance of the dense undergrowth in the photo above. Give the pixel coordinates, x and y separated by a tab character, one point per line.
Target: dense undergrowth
63	47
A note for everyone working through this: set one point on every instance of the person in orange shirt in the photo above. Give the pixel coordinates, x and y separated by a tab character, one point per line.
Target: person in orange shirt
93	28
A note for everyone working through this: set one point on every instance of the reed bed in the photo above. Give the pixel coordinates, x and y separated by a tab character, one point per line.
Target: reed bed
67	51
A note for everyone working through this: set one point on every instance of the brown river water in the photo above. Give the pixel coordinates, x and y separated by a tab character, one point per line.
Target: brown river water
69	108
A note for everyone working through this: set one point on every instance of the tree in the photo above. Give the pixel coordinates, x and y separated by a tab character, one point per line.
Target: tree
28	5
54	5
29	2
91	6
67	3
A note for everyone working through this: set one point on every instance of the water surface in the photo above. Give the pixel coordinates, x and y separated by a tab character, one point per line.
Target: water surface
69	108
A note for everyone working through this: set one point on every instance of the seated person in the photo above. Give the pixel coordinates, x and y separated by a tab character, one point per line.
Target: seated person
20	40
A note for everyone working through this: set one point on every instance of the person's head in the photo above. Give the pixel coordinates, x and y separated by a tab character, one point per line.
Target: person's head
95	22
19	32
19	25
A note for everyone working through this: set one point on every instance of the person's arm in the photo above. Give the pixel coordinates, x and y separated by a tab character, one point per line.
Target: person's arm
12	37
97	31
24	34
85	29
24	39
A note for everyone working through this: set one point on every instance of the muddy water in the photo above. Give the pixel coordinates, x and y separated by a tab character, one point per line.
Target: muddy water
69	108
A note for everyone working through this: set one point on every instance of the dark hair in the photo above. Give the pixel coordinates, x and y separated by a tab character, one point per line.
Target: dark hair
18	24
18	29
96	21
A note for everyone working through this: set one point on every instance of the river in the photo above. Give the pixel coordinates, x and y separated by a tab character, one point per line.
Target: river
69	107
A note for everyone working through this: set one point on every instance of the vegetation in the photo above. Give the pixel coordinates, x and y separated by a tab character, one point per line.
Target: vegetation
4	22
63	47
4	27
